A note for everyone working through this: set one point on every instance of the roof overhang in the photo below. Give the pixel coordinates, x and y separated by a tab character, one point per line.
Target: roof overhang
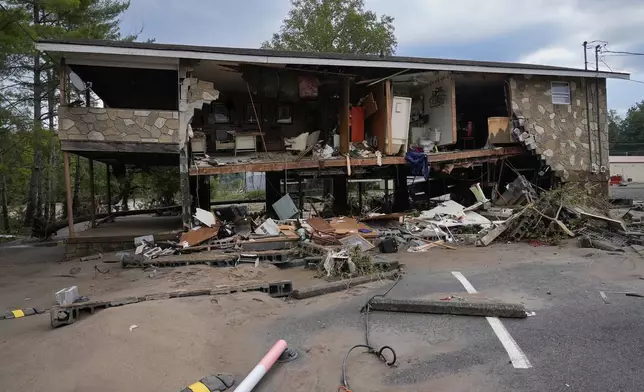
160	56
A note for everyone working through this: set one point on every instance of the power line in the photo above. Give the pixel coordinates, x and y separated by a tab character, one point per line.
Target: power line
18	23
33	39
624	53
604	62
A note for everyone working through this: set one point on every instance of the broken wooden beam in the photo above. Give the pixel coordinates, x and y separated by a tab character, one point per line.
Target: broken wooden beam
469	308
333	287
68	314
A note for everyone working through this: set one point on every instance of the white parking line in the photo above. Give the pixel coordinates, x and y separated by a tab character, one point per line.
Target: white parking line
518	358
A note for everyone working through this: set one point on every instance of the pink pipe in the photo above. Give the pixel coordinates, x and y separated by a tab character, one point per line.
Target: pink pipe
262	367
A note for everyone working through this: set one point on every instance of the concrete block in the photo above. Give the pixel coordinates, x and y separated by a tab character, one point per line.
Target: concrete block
67	296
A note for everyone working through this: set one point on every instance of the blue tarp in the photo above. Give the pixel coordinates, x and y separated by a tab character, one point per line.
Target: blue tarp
419	163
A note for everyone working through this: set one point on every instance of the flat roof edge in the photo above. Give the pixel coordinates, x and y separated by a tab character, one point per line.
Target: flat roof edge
187	53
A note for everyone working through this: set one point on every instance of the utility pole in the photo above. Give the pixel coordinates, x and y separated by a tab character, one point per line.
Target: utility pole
599	128
585	55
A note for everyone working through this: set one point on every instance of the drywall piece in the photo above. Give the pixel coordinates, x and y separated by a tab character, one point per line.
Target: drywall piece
451	214
448	207
205	217
140	240
269	227
285	208
357	240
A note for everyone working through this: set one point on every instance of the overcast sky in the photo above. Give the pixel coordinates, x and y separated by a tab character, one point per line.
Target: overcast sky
534	31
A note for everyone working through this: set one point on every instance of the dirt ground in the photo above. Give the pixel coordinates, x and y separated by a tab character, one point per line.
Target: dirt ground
179	341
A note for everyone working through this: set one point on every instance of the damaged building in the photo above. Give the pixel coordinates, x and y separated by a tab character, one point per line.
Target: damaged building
426	126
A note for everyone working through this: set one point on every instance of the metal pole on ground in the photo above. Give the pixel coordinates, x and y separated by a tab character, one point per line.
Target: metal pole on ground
262	367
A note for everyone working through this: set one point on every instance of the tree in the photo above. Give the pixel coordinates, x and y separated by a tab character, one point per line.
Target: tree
34	76
626	136
341	26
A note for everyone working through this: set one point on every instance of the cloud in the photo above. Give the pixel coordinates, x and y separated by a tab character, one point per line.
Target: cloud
241	23
548	32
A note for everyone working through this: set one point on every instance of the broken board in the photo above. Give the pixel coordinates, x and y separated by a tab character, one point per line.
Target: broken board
196	237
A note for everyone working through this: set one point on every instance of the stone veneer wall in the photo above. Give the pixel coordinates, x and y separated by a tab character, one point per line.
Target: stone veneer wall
561	131
123	125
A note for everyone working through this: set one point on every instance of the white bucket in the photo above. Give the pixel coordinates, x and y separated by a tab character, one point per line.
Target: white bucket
428	145
434	135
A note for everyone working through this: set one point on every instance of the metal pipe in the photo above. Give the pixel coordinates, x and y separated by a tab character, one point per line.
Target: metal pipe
585	55
262	367
590	146
599	132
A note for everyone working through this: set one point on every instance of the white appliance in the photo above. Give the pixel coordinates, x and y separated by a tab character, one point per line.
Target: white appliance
400	112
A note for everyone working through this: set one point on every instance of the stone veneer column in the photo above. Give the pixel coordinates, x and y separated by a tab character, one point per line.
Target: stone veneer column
193	94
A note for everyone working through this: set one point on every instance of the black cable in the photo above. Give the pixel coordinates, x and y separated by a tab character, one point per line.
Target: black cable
101	272
626	53
370	348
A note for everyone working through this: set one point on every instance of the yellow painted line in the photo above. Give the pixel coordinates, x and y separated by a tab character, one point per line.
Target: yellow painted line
18	313
199	387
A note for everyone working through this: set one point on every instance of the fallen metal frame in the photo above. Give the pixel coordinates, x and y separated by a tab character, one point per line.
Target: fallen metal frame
68	314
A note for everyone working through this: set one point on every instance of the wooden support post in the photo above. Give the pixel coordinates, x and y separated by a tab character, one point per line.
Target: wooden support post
300	196
108	177
360	190
68	192
401	192
340	195
390	101
259	120
200	188
387	204
344	116
186	199
68	180
92	193
273	191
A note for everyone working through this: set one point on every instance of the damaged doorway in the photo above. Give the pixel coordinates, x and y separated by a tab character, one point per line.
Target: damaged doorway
477	100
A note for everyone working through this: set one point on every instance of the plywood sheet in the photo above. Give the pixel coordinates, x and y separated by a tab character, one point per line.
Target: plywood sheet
196	237
319	224
379	120
345	226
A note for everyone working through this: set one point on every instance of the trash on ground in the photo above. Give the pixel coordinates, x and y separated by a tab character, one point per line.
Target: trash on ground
67	296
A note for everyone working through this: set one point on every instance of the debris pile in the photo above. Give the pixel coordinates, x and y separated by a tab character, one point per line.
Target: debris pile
347	247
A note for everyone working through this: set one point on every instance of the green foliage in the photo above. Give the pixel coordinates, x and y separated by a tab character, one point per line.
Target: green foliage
159	185
255	195
626	135
342	26
30	160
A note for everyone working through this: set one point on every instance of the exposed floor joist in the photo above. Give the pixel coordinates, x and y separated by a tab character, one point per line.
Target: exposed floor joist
321	164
